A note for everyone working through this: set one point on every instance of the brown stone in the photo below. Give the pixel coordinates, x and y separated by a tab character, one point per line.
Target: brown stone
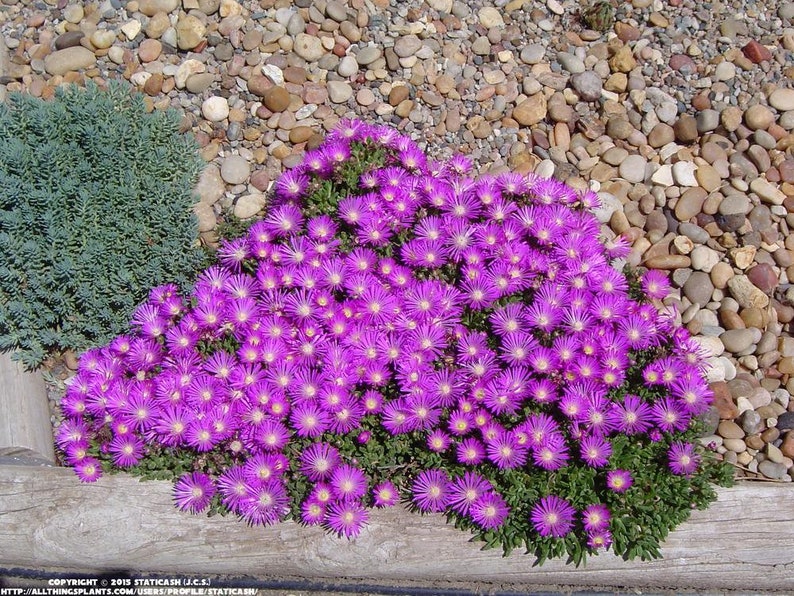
723	401
530	111
276	99
686	129
756	53
398	94
763	277
787	446
154	84
300	134
259	85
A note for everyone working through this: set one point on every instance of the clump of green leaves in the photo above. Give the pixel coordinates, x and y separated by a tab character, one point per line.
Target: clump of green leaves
599	15
95	209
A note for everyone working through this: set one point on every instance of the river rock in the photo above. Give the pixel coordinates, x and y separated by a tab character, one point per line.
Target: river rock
69	59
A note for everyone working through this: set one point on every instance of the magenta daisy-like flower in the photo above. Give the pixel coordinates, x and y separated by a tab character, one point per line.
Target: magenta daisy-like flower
552	516
465	490
193	492
683	460
489	510
470	451
599	540
669	415
655	284
552	454
596	517
346	518
233	486
88	469
348	482
318	461
505	451
265	504
619	481
595	450
313	512
385	494
430	491
126	450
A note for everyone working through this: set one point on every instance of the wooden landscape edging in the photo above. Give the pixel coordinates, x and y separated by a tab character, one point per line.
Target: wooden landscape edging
25	427
51	522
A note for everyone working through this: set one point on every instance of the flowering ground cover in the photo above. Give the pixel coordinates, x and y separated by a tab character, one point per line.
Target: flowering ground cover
398	330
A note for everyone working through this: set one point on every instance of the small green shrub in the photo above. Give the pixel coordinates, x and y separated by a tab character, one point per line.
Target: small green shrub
599	15
95	209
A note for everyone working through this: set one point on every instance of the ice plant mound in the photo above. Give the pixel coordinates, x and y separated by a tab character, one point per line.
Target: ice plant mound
395	327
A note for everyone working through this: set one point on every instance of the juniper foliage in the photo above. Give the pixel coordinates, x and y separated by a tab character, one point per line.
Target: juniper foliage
95	209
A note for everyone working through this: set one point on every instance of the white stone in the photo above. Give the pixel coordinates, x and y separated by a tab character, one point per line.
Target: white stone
308	47
782	99
704	258
684	173
339	91
249	205
131	29
490	17
187	68
215	108
729	366
274	73
663	176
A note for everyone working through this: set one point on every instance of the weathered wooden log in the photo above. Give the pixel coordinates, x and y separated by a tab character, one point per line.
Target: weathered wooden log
49	521
25	427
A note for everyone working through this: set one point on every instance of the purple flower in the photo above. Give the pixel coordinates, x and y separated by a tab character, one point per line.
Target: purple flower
552	516
313	512
470	451
598	540
430	491
465	490
489	511
619	481
88	469
346	518
655	284
193	492
266	503
385	494
552	454
596	517
595	450
318	461
505	452
683	460
669	416
126	450
348	482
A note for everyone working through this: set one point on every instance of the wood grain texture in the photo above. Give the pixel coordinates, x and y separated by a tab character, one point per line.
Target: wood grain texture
25	427
50	521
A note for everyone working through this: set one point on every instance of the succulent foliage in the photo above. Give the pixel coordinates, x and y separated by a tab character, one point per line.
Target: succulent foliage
95	208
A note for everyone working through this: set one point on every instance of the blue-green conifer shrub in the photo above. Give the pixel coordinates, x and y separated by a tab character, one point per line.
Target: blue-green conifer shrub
96	201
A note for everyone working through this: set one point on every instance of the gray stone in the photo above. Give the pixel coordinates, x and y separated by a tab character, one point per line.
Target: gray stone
339	91
368	55
532	53
698	288
751	422
772	470
573	64
407	45
632	169
235	169
587	85
694	232
737	340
